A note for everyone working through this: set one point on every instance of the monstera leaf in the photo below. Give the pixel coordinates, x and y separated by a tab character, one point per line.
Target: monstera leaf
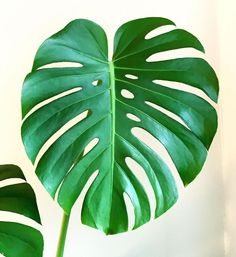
75	95
18	239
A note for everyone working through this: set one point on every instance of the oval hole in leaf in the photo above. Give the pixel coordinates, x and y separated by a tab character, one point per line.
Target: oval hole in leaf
158	31
131	76
127	94
62	65
133	117
90	146
97	82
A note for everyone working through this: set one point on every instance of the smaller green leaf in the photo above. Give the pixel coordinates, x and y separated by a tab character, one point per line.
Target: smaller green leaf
10	171
20	199
18	240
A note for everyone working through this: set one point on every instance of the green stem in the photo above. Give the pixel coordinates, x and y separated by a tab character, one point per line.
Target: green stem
63	233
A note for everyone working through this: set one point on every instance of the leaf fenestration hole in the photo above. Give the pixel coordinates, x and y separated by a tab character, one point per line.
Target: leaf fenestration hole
175	54
51	99
97	82
168	113
152	142
131	76
158	31
142	177
62	65
127	94
90	146
78	205
184	87
60	132
133	117
130	211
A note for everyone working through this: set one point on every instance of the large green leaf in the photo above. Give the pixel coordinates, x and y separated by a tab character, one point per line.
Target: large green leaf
18	239
52	96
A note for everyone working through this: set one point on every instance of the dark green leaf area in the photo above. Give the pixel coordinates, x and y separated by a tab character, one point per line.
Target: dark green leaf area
17	197
9	171
20	240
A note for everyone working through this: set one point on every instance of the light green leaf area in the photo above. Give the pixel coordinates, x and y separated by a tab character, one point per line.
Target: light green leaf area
18	239
118	96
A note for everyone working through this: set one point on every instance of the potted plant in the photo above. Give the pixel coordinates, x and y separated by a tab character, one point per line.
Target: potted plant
83	114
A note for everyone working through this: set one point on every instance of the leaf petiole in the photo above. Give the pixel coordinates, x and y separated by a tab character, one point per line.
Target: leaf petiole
63	233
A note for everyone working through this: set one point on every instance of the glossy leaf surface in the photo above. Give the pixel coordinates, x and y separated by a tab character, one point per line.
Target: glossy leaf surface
18	239
113	98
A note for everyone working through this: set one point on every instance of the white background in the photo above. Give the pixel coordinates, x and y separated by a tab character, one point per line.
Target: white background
201	224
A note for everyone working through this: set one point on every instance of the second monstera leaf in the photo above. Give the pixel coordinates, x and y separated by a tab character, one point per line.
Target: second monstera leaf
115	97
16	239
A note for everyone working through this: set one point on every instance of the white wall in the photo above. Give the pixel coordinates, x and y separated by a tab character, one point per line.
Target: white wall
194	226
227	41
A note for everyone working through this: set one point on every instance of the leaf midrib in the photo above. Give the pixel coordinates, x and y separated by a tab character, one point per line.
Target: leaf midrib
113	120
